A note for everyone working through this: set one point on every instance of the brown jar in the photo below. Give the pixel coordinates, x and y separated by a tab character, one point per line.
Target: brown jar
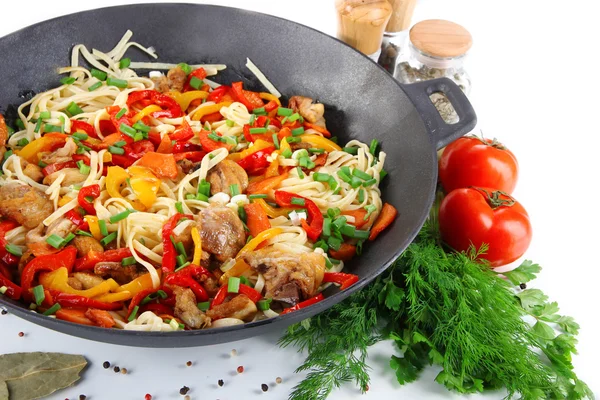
361	23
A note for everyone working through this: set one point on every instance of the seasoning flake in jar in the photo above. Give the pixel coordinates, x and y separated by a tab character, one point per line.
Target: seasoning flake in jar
361	23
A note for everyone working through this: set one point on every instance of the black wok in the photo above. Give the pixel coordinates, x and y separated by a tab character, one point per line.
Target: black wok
362	102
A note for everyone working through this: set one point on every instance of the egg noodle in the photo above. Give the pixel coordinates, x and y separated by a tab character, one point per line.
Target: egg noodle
93	94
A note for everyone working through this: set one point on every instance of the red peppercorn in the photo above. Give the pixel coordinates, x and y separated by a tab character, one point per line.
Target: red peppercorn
240	369
148	396
21	334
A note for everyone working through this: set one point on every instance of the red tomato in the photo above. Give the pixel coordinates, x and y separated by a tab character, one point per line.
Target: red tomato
477	216
471	161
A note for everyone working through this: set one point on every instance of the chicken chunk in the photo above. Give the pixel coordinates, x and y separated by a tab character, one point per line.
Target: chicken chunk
312	112
222	232
61	227
26	205
84	280
62	154
72	177
174	81
185	236
32	171
3	131
283	271
85	244
121	273
240	307
186	308
225	174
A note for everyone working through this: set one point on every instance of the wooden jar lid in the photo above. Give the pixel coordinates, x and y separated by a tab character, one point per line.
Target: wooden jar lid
440	38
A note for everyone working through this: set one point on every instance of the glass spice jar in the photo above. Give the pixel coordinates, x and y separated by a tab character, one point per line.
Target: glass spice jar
437	49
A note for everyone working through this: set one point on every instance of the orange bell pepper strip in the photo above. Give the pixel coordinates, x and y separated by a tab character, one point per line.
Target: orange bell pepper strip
284	132
269	97
238	269
48	142
359	217
344	253
214	117
385	218
261	237
272	169
100	318
266	185
320	129
76	316
273	212
163	165
165	146
257	219
209	110
209	145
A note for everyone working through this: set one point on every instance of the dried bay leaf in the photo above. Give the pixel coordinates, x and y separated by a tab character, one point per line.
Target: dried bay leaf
30	376
3	391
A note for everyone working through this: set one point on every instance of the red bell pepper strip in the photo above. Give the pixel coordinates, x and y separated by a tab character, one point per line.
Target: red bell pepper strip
50	169
304	304
6	257
171	108
92	191
183	133
250	292
217	94
81	157
137	299
185	278
314	226
122	161
209	145
255	163
133	152
169	253
320	129
13	290
241	95
156	308
76	301
77	219
199	73
193	156
154	138
220	296
185	147
107	127
112	112
342	279
82	126
385	218
89	261
50	262
271	105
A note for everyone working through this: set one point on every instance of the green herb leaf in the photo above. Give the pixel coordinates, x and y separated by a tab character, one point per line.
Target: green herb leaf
35	375
524	273
405	371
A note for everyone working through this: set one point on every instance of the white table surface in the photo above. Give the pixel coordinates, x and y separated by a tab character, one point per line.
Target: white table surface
534	87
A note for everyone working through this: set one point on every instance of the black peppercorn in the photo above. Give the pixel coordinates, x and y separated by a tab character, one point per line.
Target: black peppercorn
264	387
82	397
106	365
221	383
184	390
4	312
117	369
523	286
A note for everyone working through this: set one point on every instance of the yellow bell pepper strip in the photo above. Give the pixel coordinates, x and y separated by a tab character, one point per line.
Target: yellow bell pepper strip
48	142
64	200
144	184
144	282
92	221
238	269
269	97
197	246
261	237
320	142
107	157
234	156
284	146
114	297
184	99
273	212
115	177
145	112
210	110
272	169
58	280
257	146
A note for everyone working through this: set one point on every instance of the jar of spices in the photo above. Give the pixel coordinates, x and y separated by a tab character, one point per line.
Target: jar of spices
437	49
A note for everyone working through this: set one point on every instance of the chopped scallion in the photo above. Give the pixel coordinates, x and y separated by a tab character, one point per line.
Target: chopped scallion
103	228
316	151
298	131
133	314
128	261
179	207
259	111
45	115
327	226
257	196
334	243
83	233
204	188
80	136
23	142
293	117
185	67
106	240
69	237
276	141
100	75
287	153
360	234
55	241
204	306
351	150
229	123
94	86
53	128
116	150
74	109
120	143
234	189
120	83
120	216
300	173
196	82
361	195
52	310
264	305
328	263
343	176
361	174
181	249
369	182
233	286
121	113
355	182
181	259
286	112
348	230
321	177
126	129
14	250
373	146
258	131
294	140
68	80
298	201
124	63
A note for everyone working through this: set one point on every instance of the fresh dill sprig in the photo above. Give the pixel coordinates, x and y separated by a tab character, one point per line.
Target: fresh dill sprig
448	309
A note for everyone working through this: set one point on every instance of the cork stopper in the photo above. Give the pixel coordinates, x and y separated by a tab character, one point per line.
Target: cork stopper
440	38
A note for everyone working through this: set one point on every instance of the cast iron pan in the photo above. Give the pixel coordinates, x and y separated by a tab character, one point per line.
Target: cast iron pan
362	102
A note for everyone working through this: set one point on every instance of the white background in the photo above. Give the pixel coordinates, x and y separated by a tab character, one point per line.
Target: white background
535	87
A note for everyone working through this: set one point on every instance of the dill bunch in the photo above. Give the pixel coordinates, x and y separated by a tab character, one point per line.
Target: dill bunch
448	309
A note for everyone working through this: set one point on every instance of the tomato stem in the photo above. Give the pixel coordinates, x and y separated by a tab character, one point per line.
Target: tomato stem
494	199
494	143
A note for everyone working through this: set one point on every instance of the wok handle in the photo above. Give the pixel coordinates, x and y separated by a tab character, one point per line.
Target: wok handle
441	132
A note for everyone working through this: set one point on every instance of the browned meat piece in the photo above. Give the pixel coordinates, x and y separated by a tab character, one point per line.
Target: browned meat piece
161	84
222	232
61	227
176	77
280	269
301	145
25	205
186	166
85	244
32	171
210	284
72	177
225	174
186	308
3	131
185	237
75	283
240	307
120	273
312	112
85	280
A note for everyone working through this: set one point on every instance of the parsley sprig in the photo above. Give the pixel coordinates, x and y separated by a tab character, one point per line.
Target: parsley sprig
448	309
